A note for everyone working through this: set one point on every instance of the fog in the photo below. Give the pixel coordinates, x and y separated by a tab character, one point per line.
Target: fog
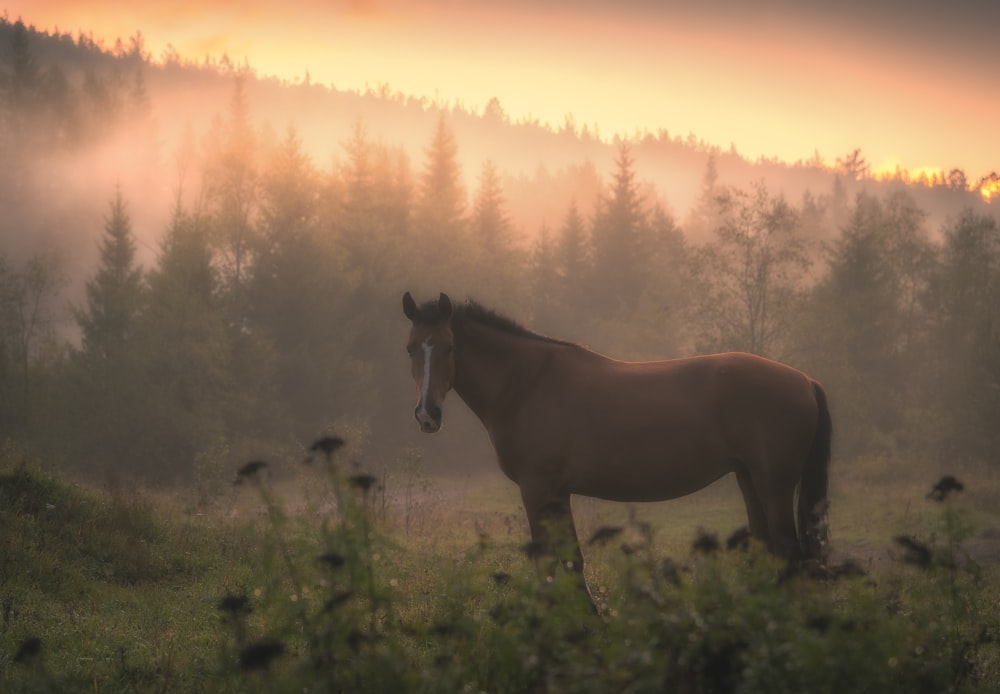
307	211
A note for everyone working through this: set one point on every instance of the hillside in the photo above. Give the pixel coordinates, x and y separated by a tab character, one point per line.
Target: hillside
543	168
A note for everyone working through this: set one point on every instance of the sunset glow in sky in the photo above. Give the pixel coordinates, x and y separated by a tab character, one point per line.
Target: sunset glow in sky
913	83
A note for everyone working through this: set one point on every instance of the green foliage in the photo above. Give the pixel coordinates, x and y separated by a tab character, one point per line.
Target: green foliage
751	286
965	294
872	323
103	591
27	295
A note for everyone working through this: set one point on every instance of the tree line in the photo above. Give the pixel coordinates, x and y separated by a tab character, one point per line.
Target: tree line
271	312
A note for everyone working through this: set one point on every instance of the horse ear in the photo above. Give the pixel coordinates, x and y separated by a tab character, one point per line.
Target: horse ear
444	306
409	306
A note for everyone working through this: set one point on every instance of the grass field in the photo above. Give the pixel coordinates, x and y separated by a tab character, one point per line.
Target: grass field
326	582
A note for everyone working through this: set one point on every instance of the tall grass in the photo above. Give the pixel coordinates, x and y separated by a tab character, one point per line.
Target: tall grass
110	592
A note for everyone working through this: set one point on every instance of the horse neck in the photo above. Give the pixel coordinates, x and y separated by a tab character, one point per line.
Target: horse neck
490	364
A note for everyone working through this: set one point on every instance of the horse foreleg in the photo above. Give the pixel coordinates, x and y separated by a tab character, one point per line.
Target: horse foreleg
553	533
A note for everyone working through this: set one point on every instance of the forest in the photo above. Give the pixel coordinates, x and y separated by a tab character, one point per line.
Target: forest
187	305
200	281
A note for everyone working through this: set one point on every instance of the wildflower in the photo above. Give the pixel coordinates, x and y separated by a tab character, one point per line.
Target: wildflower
740	539
604	534
849	569
234	604
916	552
364	482
670	571
820	623
249	471
328	445
705	542
945	486
501	578
533	549
337	600
28	650
258	655
332	559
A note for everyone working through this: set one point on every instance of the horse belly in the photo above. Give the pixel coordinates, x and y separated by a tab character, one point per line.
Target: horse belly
659	468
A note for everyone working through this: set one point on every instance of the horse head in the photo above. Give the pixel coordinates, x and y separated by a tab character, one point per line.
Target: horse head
431	347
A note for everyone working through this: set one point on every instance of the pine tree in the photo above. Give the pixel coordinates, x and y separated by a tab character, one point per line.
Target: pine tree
570	257
185	356
620	240
360	227
232	186
110	390
705	214
869	341
23	83
965	301
441	202
114	294
542	279
491	226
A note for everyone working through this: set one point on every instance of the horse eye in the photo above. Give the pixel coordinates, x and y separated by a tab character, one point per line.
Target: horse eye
409	350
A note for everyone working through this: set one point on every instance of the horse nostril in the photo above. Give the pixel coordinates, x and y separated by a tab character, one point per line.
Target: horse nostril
435	412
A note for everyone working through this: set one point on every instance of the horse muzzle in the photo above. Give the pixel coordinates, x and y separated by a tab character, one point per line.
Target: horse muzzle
428	417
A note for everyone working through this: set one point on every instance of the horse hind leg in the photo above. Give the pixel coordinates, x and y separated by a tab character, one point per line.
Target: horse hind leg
779	509
770	500
756	520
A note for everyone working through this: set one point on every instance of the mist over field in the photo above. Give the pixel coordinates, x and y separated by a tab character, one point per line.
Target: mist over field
199	262
210	474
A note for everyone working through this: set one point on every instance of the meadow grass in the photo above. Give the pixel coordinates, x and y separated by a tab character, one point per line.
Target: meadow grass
355	583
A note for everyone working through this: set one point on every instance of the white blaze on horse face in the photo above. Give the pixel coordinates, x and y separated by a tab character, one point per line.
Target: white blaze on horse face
426	383
428	415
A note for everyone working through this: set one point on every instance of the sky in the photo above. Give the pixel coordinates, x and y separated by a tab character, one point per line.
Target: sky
912	83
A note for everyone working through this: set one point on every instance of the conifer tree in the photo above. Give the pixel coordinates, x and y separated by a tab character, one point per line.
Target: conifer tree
22	86
114	294
869	341
107	375
706	212
490	224
620	240
232	184
570	259
965	301
541	277
441	202
186	354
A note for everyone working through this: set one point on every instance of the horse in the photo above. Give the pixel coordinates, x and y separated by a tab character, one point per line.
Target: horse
566	420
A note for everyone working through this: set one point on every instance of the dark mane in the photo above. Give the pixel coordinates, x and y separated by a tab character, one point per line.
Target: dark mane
473	312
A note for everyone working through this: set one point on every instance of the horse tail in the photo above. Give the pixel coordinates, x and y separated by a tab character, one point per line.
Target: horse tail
812	510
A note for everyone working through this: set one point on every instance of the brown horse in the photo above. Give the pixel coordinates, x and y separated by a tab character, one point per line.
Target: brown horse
565	420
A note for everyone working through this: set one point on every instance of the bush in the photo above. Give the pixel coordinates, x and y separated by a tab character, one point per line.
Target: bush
101	592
